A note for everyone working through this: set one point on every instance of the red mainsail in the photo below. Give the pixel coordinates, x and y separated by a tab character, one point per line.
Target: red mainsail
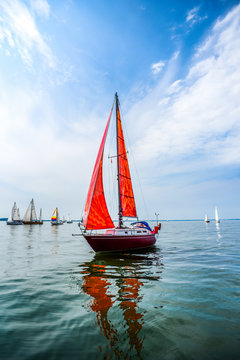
96	215
125	184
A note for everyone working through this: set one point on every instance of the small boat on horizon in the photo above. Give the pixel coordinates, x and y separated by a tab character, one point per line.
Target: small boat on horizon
96	215
69	220
206	219
55	219
30	217
216	216
14	217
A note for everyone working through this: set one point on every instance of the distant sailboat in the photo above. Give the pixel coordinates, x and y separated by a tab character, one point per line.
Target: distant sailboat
216	216
30	217
55	220
206	219
14	217
69	221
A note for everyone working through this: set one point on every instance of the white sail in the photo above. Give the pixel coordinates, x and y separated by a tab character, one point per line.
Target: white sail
18	214
40	215
10	217
15	215
216	215
206	218
14	212
27	216
34	214
30	214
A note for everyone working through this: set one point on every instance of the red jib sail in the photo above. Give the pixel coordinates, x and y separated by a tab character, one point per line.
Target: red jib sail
96	215
126	191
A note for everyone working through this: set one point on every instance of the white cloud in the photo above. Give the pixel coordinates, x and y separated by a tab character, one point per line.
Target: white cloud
193	17
175	87
176	55
157	67
198	116
192	14
41	7
183	124
39	159
19	28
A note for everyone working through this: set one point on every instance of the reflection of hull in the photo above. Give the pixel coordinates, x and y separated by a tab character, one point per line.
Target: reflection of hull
32	222
56	223
103	242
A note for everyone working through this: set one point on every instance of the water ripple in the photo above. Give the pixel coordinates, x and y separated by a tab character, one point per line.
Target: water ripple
179	300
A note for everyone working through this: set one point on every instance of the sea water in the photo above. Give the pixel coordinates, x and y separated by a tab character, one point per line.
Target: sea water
178	300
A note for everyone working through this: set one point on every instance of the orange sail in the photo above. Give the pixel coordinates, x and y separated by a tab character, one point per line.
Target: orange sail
128	206
96	215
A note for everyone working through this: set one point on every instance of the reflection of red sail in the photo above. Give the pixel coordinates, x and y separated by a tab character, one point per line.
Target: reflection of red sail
96	215
126	191
129	291
96	286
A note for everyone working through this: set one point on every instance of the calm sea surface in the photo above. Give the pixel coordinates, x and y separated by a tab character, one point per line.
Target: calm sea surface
180	300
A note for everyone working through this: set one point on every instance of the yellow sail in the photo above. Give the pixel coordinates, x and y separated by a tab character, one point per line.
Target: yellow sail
54	215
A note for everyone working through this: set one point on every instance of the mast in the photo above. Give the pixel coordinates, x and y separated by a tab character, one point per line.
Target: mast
120	223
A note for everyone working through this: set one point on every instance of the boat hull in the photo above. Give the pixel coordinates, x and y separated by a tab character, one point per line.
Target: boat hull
102	242
14	223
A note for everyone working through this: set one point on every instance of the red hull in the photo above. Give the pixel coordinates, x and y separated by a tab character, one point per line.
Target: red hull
104	242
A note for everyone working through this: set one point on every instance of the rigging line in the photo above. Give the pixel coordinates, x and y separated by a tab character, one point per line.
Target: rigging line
114	156
124	176
112	186
134	164
111	176
127	196
110	167
111	137
119	137
111	111
111	189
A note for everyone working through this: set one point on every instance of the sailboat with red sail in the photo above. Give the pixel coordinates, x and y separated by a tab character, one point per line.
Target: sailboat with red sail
96	214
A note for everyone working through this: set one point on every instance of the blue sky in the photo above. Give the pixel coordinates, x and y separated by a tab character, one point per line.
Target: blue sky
176	67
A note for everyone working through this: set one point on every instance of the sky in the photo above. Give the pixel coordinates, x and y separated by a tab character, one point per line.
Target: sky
176	68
